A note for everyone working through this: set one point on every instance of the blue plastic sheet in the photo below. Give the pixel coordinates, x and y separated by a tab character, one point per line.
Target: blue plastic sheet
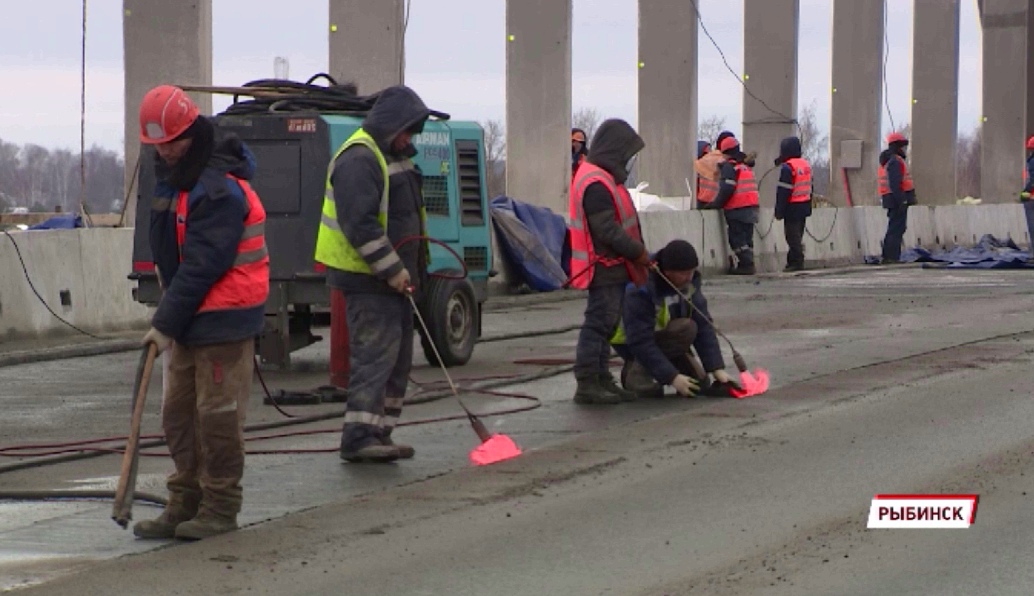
60	222
988	253
534	241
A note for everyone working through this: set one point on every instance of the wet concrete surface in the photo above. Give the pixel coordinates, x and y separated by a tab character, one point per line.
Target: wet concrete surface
898	380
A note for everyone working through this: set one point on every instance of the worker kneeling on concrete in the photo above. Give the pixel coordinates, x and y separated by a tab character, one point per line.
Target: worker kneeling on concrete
659	330
373	203
210	253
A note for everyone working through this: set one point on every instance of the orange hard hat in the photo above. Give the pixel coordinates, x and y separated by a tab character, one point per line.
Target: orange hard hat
165	113
1030	143
896	137
728	143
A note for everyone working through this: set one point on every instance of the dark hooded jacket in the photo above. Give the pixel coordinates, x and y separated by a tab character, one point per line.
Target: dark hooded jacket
216	210
789	148
1029	186
639	318
895	175
358	182
613	145
726	188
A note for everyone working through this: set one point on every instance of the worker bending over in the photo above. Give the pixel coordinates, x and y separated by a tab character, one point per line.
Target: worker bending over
373	202
738	198
897	193
658	330
207	238
607	252
793	199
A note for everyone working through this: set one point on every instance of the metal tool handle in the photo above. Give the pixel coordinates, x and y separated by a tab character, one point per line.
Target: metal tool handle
122	510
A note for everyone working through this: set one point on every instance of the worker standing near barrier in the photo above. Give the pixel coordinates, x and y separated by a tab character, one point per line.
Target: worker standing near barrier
897	193
579	149
738	198
793	199
707	166
373	202
207	238
1028	189
659	331
607	252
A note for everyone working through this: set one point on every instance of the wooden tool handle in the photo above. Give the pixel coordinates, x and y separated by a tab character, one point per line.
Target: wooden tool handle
122	510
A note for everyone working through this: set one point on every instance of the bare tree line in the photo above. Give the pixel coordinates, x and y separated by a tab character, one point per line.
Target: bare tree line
45	180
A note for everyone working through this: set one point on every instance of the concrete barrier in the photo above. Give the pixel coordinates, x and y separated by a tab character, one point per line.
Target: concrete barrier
80	274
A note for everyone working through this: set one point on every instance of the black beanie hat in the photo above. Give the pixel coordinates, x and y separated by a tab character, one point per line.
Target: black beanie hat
678	255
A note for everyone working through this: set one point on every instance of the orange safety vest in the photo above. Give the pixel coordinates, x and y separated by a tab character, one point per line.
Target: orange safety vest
583	254
746	193
906	179
707	190
246	284
801	191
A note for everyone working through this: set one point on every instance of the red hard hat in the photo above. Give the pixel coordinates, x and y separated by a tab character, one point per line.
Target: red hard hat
1030	143
164	114
896	137
728	143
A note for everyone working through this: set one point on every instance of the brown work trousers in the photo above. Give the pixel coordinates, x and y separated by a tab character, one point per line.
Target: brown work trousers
203	412
676	343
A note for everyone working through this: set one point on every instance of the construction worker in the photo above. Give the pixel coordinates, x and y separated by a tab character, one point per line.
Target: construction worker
206	235
607	252
1028	188
897	193
658	330
376	188
793	199
738	198
578	149
706	167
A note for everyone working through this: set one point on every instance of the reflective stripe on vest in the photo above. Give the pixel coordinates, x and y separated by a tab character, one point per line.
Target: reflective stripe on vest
884	178
663	317
707	189
246	284
801	187
583	254
746	193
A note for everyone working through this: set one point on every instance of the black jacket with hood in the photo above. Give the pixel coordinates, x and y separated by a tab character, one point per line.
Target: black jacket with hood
358	182
895	175
726	188
613	145
789	148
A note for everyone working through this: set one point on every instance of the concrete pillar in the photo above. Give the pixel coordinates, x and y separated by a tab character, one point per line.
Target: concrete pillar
770	64
162	42
538	102
667	95
935	87
1004	108
857	98
367	43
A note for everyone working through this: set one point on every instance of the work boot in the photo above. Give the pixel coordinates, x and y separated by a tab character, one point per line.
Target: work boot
164	526
743	269
793	267
405	451
610	385
206	524
591	391
378	453
637	380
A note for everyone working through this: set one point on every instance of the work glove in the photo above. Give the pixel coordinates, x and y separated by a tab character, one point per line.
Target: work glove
400	282
685	386
721	376
1024	196
159	339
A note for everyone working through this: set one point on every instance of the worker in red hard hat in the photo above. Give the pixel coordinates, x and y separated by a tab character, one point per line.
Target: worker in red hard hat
897	193
210	253
738	198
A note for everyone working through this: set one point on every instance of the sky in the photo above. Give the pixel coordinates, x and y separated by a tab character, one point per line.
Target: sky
455	60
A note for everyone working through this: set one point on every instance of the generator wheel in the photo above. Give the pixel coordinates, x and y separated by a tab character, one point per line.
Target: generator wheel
450	311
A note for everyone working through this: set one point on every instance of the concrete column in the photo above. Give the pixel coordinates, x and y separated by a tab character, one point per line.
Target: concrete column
1005	108
857	98
667	95
538	102
367	43
935	88
770	64
163	43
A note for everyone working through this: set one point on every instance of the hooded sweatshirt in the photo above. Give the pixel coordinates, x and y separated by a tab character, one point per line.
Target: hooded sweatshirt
613	145
216	210
895	175
358	182
789	148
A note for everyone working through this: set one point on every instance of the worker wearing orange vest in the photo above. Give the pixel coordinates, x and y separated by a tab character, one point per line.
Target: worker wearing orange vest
738	198
607	252
1028	172
793	199
897	193
708	162
208	244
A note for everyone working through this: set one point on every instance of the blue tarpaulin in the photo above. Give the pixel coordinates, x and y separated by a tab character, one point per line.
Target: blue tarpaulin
988	253
60	222
533	240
